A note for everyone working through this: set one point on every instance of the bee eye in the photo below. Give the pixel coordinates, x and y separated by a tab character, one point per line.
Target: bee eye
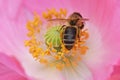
75	16
73	22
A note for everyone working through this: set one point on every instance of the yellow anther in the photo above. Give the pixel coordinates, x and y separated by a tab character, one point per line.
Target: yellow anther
26	43
63	12
50	45
54	50
38	30
32	49
59	66
65	60
35	51
52	11
30	43
35	55
83	49
85	35
42	53
45	15
67	51
38	50
30	34
49	16
81	42
57	57
78	58
36	21
64	50
68	64
56	14
62	45
61	54
75	47
42	60
73	53
47	52
29	26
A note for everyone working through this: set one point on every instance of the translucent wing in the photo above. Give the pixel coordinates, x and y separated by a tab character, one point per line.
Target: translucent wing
65	20
58	19
83	20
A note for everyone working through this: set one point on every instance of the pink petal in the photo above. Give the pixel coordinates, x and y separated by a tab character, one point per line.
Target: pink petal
103	14
115	73
10	69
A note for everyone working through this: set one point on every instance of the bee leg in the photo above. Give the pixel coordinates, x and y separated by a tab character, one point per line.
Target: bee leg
79	29
61	31
78	34
62	27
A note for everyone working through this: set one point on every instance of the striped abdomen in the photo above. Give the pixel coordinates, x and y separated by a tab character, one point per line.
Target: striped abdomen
69	37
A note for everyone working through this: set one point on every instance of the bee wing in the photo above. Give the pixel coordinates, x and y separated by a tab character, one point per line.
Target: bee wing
65	20
83	20
58	19
61	21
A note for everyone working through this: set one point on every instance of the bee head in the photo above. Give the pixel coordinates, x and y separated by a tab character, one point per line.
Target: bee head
74	18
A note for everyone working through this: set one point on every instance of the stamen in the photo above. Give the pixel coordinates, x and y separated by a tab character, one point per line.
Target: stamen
83	49
55	53
63	12
44	61
60	66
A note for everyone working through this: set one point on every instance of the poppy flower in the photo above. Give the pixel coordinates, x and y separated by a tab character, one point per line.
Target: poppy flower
103	42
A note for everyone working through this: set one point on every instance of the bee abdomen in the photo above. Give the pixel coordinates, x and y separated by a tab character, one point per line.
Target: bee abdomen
69	40
69	37
69	43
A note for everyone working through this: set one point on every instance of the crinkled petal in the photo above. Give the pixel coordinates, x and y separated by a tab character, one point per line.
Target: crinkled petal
10	69
115	75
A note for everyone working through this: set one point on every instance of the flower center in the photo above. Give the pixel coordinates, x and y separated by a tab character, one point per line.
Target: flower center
47	46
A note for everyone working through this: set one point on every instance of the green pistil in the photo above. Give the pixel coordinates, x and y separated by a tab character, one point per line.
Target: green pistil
53	37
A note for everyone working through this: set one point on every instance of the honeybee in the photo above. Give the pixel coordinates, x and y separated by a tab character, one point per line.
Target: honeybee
71	31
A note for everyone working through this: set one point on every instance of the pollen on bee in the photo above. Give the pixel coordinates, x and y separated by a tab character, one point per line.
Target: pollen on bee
54	52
